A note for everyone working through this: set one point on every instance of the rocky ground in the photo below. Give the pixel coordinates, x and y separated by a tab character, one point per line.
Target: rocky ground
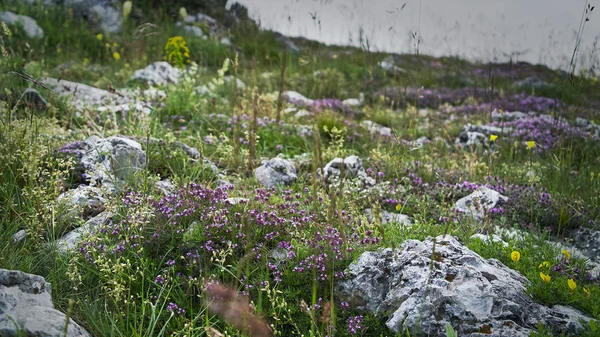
176	171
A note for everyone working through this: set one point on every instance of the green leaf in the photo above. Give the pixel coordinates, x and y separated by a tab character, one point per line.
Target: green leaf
450	331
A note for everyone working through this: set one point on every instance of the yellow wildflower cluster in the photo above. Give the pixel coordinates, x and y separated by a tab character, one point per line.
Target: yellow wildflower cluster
177	52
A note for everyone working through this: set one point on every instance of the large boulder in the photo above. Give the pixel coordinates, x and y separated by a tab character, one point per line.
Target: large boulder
276	171
25	300
478	203
29	25
476	296
113	158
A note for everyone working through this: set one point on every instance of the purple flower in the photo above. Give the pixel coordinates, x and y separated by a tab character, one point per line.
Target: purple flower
355	324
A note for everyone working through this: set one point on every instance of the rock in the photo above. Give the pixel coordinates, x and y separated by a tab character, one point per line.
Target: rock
275	172
106	17
478	203
465	290
302	113
388	64
472	139
29	25
388	217
201	19
83	197
532	82
588	242
84	96
487	238
297	98
112	158
378	129
33	98
507	116
158	73
286	42
225	41
195	30
19	236
70	240
487	129
25	300
419	142
353	102
165	187
353	168
581	122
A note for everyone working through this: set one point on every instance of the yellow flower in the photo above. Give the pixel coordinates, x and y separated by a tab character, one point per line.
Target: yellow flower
398	207
566	254
86	61
530	144
493	138
572	284
515	256
545	278
335	56
115	44
586	290
544	264
99	37
117	56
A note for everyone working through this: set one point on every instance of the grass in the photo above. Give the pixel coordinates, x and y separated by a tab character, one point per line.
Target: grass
146	274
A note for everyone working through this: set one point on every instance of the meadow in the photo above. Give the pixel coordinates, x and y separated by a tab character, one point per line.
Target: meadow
189	240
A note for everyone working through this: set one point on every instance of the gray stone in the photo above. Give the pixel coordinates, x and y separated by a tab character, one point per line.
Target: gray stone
478	203
532	82
587	241
83	196
275	172
106	17
19	236
25	300
508	116
202	19
158	73
236	200
34	98
225	41
69	241
378	129
297	98
113	158
302	113
419	142
165	187
463	289
389	218
353	168
489	238
388	64
354	102
29	25
472	139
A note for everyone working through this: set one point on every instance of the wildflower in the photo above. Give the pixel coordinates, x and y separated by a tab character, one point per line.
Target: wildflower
99	37
530	144
116	56
398	207
335	56
544	264
586	290
515	256
355	324
545	278
566	254
127	8
86	61
572	285
493	138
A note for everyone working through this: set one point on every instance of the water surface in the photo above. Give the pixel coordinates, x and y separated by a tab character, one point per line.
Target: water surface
536	31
